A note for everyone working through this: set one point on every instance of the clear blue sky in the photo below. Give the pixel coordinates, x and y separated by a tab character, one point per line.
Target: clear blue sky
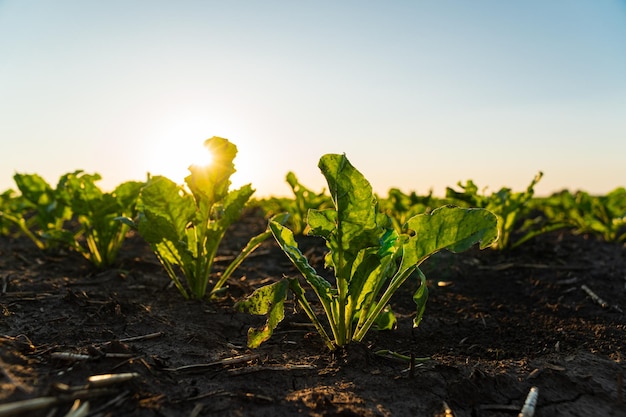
417	94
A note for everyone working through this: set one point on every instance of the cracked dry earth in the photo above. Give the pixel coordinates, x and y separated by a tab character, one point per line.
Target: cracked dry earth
496	324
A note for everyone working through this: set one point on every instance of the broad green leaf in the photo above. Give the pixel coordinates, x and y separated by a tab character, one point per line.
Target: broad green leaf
270	301
288	244
366	283
356	214
209	184
126	195
40	214
386	320
234	204
50	213
166	211
453	228
322	223
79	191
34	188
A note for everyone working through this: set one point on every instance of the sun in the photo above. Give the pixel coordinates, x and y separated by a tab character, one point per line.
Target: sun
172	159
176	142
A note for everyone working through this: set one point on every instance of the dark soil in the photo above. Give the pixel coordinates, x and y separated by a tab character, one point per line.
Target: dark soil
496	324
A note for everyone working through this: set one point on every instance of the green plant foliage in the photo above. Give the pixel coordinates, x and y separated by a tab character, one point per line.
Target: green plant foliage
369	258
400	206
603	216
37	212
510	207
10	204
303	200
184	228
100	236
76	214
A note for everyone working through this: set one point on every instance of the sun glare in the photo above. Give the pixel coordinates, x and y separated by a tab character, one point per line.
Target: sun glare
178	142
173	159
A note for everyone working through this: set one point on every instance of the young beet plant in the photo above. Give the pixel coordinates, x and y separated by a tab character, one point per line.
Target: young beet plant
100	236
9	203
77	214
184	228
603	216
370	259
37	212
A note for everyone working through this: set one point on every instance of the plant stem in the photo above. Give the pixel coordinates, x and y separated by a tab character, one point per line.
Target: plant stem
298	292
395	283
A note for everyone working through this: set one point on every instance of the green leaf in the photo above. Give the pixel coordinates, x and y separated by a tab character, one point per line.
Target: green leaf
448	227
79	191
386	320
270	301
420	297
34	188
371	274
166	211
453	228
322	223
209	184
288	244
126	195
234	204
43	209
356	218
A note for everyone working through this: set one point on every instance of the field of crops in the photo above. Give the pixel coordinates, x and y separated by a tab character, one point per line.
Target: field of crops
162	300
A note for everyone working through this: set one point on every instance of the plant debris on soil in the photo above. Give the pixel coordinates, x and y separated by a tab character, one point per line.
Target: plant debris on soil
548	315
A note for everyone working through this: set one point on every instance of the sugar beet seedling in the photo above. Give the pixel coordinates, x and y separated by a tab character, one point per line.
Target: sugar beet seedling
369	258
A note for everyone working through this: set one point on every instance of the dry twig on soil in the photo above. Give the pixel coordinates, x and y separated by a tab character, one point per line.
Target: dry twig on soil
203	366
94	388
600	301
528	410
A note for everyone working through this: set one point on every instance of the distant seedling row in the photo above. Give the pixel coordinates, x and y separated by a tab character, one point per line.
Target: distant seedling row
374	243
